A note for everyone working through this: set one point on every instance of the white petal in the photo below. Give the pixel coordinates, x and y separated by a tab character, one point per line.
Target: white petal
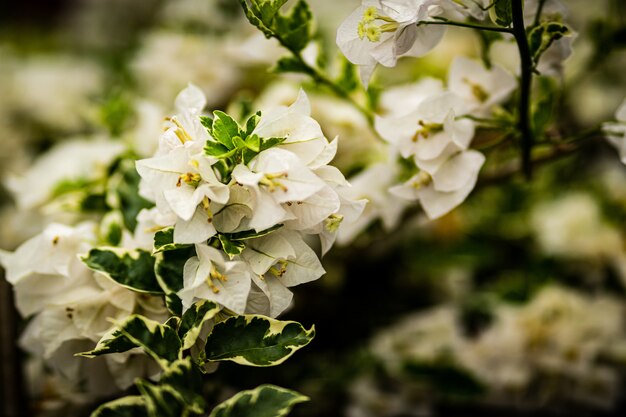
196	230
191	99
458	170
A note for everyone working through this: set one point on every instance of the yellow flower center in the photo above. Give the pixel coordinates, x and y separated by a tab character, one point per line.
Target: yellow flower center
272	181
425	129
215	275
370	29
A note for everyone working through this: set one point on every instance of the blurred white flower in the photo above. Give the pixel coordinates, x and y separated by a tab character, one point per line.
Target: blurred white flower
381	31
616	131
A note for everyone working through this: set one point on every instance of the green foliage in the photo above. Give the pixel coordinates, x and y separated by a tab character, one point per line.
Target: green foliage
168	268
541	37
133	269
231	247
292	29
543	109
131	406
164	241
193	320
160	341
124	190
502	13
256	340
234	144
263	401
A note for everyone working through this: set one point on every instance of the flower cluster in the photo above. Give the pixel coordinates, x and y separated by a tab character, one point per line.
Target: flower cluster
72	307
246	198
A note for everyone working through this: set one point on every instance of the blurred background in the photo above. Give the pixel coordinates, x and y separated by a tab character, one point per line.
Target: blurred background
513	304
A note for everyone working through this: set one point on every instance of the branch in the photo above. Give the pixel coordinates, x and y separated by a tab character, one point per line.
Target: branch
523	123
446	22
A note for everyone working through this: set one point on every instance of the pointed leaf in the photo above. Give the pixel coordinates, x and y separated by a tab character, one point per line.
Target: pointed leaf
131	406
231	247
263	401
193	320
164	241
225	128
256	340
131	269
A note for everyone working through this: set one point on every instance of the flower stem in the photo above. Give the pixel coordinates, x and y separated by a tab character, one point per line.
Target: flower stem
445	22
523	122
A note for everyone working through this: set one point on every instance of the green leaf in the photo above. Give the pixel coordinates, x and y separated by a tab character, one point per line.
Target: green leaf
217	150
131	406
294	27
111	228
541	37
253	143
267	143
169	266
125	185
174	304
543	108
266	10
263	401
158	340
162	400
207	122
185	376
252	234
348	78
252	123
231	247
133	269
164	241
290	64
502	13
225	128
113	341
256	340
193	320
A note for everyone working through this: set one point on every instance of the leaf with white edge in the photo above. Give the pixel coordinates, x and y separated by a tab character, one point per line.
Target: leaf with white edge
252	234
267	143
266	10
169	268
263	401
174	304
193	320
541	37
113	341
217	150
502	13
126	189
256	340
231	247
133	269
131	406
164	241
163	400
157	340
252	123
185	376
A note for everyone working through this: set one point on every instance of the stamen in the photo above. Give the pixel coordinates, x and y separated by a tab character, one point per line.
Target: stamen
206	205
477	90
215	275
189	178
271	181
426	129
332	222
422	180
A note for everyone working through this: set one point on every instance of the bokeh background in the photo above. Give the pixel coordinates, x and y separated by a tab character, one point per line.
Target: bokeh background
513	304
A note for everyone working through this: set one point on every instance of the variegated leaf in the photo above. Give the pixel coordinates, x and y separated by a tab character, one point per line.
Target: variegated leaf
158	340
193	320
263	401
131	406
131	269
164	241
256	340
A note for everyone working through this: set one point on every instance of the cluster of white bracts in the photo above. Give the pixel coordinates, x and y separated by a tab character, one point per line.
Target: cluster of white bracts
290	184
72	307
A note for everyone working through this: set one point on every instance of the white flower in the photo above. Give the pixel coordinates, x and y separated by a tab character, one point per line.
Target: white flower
373	185
209	276
400	100
616	131
278	179
480	87
381	31
431	133
180	178
278	261
447	187
73	161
